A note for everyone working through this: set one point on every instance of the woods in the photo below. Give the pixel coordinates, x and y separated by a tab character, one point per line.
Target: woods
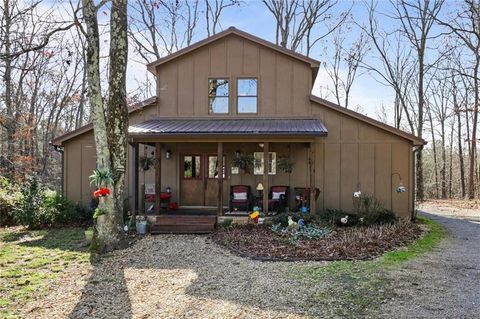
61	67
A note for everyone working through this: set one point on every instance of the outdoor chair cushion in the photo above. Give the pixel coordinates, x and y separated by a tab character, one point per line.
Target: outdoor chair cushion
240	196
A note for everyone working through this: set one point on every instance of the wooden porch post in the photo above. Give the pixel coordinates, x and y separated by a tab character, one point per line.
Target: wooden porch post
311	164
158	175
136	154
266	187
220	178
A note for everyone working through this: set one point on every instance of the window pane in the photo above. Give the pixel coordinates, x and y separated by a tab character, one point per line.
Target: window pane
247	105
217	87
258	163
191	166
247	87
218	105
213	167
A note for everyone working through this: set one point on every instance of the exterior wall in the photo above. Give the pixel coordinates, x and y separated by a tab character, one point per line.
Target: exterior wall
79	162
358	156
284	83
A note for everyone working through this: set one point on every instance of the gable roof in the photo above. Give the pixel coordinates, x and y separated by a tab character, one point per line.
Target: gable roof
59	140
385	127
314	64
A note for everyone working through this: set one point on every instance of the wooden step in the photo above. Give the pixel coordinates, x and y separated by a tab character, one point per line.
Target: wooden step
182	229
185	224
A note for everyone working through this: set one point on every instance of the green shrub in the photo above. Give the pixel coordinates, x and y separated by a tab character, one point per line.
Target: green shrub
226	223
282	218
29	212
38	208
10	197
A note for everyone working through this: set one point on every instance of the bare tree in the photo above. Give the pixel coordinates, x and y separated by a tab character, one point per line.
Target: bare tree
213	13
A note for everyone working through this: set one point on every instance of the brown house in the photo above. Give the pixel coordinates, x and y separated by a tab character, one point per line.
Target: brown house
247	99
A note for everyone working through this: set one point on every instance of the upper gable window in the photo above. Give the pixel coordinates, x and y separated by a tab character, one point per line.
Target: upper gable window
247	95
218	96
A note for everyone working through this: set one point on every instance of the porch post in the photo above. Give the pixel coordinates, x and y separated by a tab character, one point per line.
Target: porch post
266	187
311	164
220	178
136	154
158	175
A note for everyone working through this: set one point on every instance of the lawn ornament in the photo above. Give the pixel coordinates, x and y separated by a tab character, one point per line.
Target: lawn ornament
255	215
291	224
301	223
357	194
344	220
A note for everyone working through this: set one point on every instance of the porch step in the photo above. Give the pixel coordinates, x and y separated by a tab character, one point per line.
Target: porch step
185	224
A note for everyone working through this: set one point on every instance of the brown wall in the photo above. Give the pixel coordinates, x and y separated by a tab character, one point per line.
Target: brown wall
284	83
357	155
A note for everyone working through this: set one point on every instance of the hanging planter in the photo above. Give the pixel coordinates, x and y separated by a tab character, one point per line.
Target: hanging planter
145	162
285	164
243	161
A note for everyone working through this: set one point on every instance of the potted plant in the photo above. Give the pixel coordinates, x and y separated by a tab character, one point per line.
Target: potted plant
89	235
244	161
145	162
141	225
286	164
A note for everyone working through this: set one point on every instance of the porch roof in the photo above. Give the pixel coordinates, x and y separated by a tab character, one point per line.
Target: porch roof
228	127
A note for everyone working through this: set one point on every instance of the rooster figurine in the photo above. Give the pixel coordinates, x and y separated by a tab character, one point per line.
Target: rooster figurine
291	224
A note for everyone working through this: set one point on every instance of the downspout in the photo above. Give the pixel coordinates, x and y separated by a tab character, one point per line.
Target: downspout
415	150
61	150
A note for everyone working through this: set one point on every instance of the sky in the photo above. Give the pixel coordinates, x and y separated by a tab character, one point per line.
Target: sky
254	18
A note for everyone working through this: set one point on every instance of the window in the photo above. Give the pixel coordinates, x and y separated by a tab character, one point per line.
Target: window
247	96
213	166
218	95
258	163
191	166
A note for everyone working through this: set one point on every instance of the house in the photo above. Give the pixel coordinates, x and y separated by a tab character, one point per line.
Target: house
234	95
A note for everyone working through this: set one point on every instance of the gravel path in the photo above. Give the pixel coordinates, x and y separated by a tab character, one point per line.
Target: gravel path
445	283
188	276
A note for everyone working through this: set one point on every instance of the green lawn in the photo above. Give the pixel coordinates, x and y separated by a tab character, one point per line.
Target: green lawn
360	286
28	259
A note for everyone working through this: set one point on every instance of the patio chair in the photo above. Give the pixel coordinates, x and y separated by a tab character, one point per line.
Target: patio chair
240	197
278	198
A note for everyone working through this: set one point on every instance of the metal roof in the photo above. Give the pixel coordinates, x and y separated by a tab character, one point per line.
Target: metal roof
231	126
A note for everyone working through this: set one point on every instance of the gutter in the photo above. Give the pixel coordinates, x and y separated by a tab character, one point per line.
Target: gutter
415	150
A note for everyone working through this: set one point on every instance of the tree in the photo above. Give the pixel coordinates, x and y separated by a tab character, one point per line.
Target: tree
110	139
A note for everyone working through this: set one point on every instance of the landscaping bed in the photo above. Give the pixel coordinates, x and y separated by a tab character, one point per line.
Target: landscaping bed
341	243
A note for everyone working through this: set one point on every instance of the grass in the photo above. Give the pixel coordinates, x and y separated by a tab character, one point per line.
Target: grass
29	259
360	286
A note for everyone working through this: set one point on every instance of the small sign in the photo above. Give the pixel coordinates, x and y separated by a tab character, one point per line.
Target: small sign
149	189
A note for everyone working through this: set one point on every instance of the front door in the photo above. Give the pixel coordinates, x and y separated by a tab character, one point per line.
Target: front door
199	179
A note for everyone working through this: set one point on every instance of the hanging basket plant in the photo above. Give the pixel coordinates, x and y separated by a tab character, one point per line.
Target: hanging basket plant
286	164
145	162
243	161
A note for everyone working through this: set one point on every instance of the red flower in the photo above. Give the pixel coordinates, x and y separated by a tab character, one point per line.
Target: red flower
101	192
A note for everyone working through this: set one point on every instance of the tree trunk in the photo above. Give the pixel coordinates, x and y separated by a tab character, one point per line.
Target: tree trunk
117	124
473	141
419	154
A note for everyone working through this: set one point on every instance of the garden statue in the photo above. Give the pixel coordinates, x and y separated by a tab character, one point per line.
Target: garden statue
344	220
255	215
301	223
291	224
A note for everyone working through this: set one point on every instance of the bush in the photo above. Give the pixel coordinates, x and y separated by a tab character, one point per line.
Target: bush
9	198
38	208
370	211
282	218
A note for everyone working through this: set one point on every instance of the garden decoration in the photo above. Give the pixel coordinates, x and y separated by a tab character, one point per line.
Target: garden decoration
101	192
301	223
344	220
291	224
357	194
255	215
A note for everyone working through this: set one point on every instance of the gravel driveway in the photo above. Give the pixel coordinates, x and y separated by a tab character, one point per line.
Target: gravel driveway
445	283
188	276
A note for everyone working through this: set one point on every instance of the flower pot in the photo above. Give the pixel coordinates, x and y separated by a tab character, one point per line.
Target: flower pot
141	227
88	236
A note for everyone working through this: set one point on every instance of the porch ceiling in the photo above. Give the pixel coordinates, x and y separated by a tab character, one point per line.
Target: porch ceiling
233	127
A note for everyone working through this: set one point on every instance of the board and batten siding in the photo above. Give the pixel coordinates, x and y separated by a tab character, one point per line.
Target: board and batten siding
284	83
358	156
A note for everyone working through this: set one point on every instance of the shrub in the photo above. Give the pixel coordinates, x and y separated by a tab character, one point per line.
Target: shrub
282	218
29	211
333	217
9	198
57	209
226	223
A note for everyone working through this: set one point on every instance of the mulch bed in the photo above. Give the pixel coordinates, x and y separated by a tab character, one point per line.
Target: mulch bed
345	243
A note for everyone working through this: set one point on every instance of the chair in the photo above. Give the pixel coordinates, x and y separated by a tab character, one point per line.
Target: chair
240	197
278	198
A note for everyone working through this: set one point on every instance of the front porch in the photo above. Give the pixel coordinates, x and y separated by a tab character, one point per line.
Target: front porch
183	186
